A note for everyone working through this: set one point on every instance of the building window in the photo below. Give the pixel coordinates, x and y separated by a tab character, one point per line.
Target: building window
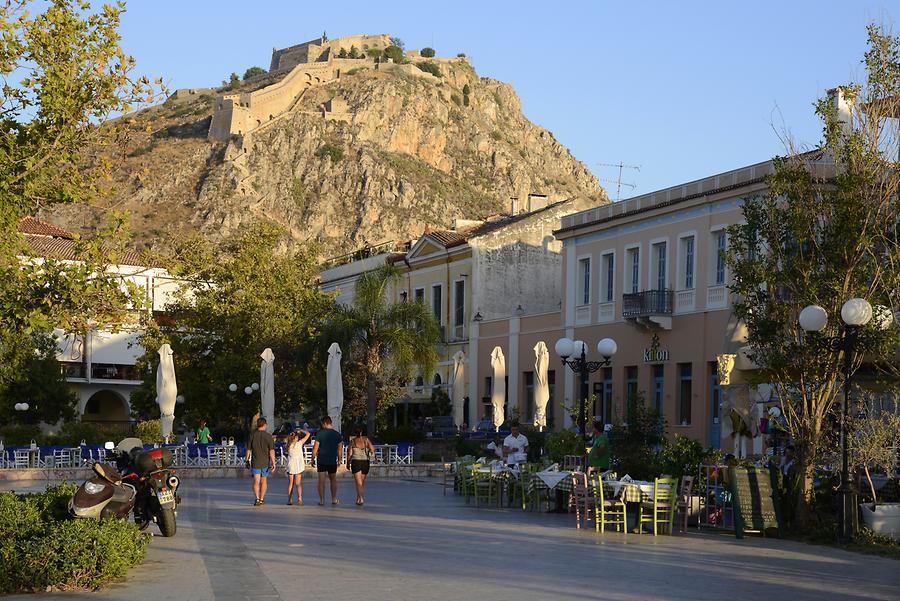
436	301
436	381
419	295
459	302
607	394
715	393
721	248
685	394
584	281
634	256
631	383
688	248
527	415
659	252
658	387
609	262
403	296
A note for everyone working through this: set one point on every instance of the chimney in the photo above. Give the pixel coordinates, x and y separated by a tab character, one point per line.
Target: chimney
514	208
843	109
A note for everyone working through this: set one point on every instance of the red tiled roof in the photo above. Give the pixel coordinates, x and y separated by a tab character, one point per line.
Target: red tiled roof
36	227
65	249
451	238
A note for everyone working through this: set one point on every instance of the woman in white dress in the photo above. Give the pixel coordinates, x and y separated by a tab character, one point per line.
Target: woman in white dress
296	464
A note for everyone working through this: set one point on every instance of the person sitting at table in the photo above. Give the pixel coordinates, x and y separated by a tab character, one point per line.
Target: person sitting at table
515	446
598	458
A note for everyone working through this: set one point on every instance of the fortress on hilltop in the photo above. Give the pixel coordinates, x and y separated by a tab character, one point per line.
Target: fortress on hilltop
293	71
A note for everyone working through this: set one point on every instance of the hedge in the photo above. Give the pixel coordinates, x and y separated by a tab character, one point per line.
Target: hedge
42	548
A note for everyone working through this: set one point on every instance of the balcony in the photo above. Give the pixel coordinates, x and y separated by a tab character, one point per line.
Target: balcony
651	308
106	371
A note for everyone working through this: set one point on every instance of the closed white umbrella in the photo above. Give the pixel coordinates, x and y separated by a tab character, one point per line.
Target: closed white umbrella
459	391
498	394
335	390
166	390
541	385
267	386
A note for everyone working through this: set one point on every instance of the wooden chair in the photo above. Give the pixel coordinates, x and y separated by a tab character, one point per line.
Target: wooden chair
486	487
582	499
662	508
684	499
608	511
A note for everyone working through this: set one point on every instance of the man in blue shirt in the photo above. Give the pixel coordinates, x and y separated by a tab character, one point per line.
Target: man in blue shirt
327	455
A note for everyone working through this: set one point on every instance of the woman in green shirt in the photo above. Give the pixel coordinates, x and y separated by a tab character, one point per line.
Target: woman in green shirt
598	459
203	435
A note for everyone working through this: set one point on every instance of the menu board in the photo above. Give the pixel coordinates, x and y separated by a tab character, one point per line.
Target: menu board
755	502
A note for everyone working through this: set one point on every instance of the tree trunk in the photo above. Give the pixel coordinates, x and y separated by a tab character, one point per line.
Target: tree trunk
371	403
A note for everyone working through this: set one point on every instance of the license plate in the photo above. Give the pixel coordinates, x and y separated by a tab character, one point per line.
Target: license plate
165	496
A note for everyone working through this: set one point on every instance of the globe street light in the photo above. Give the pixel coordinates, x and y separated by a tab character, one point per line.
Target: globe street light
855	314
579	364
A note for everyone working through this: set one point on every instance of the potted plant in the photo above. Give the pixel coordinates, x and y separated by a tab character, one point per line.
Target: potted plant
875	434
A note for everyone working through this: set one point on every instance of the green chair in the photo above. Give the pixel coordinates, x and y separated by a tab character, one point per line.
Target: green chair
662	508
487	487
607	511
521	488
466	480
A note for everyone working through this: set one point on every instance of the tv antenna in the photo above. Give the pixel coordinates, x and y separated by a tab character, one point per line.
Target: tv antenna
618	182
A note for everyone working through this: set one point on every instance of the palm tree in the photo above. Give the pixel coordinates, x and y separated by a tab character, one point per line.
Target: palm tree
399	337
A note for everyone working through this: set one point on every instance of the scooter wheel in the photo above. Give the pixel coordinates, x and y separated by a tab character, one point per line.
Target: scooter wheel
166	522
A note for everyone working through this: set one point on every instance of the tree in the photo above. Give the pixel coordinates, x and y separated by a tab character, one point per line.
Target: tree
233	80
389	339
354	53
821	236
395	41
37	381
253	72
427	52
242	298
342	53
65	79
395	53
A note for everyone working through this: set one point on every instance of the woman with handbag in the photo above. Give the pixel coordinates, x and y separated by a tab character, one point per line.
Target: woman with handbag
362	452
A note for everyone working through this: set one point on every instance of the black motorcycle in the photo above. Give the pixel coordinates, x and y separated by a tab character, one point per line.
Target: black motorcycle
151	474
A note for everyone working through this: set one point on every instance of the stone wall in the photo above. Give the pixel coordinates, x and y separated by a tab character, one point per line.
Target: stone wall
321	50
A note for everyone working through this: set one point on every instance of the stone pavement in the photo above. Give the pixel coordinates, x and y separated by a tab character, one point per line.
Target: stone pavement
411	543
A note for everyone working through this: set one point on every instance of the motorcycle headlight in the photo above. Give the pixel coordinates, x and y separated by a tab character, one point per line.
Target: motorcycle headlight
173	482
93	488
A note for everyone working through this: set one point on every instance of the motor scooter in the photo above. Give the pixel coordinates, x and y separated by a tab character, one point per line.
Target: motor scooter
105	495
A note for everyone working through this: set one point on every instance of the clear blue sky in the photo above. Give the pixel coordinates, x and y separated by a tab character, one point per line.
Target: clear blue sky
684	89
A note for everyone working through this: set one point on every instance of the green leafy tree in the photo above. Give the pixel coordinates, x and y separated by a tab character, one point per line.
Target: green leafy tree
233	80
394	53
37	381
395	41
390	340
374	52
244	297
342	53
253	72
822	235
427	52
354	52
65	78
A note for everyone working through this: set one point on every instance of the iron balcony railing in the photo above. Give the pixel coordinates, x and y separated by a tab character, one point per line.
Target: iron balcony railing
649	302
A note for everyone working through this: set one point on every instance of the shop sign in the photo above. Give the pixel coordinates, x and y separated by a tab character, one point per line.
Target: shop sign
654	354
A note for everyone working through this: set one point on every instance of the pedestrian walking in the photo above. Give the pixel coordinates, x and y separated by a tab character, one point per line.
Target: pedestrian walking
327	454
362	451
261	457
296	463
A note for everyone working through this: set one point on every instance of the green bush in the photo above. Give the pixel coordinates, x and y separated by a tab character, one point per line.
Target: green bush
335	153
682	456
565	442
374	52
430	457
466	90
394	53
537	441
149	431
467	446
41	547
465	100
253	72
427	52
15	435
456	99
430	67
400	434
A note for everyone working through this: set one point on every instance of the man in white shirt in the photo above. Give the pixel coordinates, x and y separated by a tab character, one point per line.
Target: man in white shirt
515	446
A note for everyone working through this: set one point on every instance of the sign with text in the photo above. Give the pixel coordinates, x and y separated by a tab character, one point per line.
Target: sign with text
654	354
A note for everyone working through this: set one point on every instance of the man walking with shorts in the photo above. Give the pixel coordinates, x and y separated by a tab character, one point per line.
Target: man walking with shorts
327	455
261	457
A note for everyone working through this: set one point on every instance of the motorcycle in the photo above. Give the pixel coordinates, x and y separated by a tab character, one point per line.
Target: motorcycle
142	482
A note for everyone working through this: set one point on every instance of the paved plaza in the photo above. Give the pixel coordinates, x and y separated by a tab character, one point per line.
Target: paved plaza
412	543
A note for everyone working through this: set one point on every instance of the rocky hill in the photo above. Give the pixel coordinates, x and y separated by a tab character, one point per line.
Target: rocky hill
370	157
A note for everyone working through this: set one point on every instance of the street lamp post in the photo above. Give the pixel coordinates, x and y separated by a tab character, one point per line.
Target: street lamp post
855	314
579	364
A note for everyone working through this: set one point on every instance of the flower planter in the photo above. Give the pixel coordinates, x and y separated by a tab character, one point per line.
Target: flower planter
884	519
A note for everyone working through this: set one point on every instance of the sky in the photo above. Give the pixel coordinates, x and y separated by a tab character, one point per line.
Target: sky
683	90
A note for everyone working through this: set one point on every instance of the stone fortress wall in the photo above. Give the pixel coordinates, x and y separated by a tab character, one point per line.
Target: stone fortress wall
308	64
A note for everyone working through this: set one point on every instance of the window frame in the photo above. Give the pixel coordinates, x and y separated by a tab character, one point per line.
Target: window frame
584	280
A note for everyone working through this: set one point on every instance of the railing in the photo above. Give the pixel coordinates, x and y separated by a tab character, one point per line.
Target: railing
365	253
73	370
649	302
115	372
